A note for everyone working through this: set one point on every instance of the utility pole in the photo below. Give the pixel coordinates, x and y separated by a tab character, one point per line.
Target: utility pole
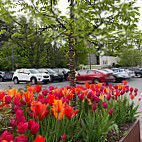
12	59
89	55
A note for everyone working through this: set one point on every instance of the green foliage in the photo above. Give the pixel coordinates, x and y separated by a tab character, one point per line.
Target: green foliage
131	58
126	110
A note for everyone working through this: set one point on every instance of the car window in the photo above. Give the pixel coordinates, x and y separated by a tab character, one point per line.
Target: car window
82	72
92	72
26	71
33	71
51	71
20	71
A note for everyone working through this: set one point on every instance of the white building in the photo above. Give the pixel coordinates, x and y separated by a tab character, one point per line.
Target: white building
108	60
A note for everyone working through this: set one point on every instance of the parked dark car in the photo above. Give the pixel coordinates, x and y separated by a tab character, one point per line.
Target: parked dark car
53	74
63	71
119	77
138	71
7	76
93	76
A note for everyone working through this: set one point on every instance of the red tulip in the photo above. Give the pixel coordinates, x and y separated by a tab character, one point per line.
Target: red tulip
50	99
64	136
30	123
96	100
17	102
39	139
110	111
6	136
19	113
94	106
69	112
21	138
89	95
51	88
135	90
16	108
38	88
104	104
12	123
22	127
81	97
8	99
132	97
108	97
44	92
2	95
35	128
131	89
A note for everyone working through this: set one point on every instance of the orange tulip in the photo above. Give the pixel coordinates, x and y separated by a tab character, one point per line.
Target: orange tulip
17	95
6	141
58	106
12	92
39	139
38	108
125	82
27	96
77	91
87	85
58	109
60	115
69	96
30	89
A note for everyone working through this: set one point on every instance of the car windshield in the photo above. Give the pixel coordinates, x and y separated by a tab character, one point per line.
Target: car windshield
51	71
33	71
67	70
102	71
108	70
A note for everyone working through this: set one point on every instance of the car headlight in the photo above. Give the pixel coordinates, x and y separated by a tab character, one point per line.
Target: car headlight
39	76
120	75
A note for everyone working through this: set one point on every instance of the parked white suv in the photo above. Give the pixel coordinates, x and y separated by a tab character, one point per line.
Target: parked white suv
29	75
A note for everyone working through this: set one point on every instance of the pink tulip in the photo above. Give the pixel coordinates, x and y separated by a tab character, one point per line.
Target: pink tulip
35	128
104	104
21	138
6	136
110	111
22	127
12	123
8	99
30	123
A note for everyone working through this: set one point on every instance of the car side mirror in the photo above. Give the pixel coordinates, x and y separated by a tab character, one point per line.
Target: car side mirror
78	73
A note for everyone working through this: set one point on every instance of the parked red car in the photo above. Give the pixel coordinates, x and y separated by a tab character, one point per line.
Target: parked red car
93	76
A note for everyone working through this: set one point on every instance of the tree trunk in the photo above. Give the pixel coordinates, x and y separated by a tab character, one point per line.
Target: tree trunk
71	52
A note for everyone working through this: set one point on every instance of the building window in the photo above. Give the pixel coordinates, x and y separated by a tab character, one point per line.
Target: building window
105	62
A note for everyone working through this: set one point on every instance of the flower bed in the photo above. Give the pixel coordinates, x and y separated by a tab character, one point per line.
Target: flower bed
35	114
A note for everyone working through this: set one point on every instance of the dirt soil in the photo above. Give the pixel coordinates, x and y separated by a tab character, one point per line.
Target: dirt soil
113	136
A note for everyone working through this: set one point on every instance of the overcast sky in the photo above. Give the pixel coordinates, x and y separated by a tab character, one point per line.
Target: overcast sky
64	3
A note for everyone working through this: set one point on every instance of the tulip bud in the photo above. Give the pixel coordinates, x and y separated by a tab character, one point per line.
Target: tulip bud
8	99
104	104
22	127
35	128
110	111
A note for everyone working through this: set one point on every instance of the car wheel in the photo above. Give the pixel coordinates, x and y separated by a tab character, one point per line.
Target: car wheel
51	79
33	81
139	75
61	80
1	79
45	82
16	81
96	81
